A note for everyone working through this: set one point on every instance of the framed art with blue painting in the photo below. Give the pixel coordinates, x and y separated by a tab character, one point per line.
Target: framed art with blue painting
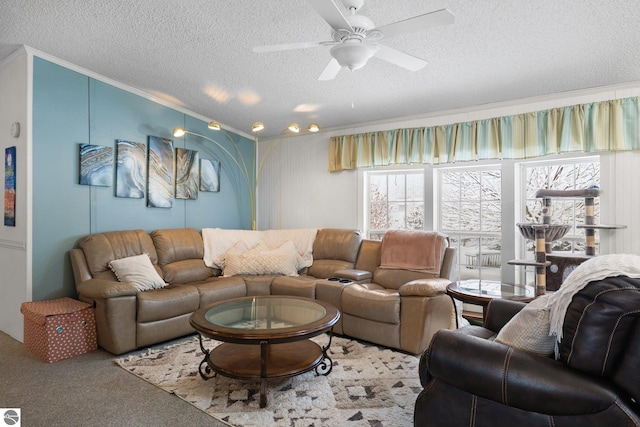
10	186
96	165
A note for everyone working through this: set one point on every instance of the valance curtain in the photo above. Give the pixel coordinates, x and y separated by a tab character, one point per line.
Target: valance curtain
599	126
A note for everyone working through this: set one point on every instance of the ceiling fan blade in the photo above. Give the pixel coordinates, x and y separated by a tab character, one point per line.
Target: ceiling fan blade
400	58
330	12
330	71
417	23
288	46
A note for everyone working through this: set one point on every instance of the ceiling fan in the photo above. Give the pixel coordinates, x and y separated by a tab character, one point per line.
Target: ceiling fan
354	37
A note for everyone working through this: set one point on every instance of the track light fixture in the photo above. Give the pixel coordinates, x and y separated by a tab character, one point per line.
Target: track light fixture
294	127
213	125
257	127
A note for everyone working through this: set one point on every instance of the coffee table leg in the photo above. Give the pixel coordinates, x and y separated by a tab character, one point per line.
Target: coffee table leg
204	369
323	367
264	346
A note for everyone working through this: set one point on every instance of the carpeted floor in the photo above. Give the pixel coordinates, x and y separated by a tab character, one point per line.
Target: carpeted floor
368	386
86	391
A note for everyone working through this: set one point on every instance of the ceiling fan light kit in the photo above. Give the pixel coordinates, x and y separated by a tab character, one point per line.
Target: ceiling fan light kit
352	37
353	56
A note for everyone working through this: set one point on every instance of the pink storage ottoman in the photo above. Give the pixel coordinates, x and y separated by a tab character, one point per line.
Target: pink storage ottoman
59	329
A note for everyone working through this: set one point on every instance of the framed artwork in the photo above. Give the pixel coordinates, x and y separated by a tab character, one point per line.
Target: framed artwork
187	174
131	169
96	165
10	186
160	176
209	175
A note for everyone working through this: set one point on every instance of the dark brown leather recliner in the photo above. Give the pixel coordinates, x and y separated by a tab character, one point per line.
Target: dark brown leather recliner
472	381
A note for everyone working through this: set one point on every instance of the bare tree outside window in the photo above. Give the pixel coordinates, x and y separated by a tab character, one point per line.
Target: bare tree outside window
396	201
571	174
470	212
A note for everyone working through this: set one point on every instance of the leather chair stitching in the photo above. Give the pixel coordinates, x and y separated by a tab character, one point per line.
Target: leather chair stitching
552	421
474	406
631	416
505	375
582	315
613	332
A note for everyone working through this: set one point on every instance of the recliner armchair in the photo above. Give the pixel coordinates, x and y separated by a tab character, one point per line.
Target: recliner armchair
471	380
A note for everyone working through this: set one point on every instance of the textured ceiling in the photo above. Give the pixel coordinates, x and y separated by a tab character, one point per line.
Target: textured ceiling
198	54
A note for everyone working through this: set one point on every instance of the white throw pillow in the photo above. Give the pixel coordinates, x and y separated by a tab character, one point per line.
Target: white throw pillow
529	329
261	263
138	271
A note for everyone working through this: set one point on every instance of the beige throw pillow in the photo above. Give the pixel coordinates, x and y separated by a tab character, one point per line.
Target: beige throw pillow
529	329
261	263
138	271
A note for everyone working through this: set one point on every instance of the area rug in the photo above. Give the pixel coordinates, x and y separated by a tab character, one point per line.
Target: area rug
369	386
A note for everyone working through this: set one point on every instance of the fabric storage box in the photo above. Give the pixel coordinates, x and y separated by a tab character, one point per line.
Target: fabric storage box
59	329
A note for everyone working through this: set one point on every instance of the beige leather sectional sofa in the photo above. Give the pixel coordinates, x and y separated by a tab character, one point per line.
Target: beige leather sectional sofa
394	307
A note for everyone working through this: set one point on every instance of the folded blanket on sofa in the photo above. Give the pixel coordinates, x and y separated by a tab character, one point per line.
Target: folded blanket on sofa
421	251
218	241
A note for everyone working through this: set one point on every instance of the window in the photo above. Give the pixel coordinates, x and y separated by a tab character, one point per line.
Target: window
567	174
466	203
395	201
469	211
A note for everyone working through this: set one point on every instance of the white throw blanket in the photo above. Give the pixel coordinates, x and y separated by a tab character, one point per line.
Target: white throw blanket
218	241
597	268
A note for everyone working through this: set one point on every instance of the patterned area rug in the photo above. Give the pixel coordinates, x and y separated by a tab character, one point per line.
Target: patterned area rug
369	386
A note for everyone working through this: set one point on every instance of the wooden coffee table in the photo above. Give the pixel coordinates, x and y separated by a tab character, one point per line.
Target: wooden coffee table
265	337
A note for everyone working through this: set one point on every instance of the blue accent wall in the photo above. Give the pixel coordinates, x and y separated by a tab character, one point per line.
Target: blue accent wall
70	109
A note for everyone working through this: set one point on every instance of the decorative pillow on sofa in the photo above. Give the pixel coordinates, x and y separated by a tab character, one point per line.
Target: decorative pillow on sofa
529	329
261	263
138	271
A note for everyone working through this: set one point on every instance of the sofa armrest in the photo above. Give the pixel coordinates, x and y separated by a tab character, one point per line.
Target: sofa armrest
353	274
424	287
511	377
100	289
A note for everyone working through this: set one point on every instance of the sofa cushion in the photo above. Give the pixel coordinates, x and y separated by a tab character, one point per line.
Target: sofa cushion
186	271
337	243
138	271
177	244
301	286
371	301
394	279
258	264
529	329
102	248
167	303
220	289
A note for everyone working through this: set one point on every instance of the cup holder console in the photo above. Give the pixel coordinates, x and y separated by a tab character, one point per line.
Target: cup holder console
338	279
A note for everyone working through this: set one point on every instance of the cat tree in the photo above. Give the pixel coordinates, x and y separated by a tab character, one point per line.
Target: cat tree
546	233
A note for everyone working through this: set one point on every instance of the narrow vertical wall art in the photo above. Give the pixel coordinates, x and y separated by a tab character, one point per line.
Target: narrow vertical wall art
187	174
160	176
131	169
209	175
10	186
96	165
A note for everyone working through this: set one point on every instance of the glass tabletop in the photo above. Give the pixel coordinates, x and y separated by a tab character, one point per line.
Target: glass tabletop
495	289
265	313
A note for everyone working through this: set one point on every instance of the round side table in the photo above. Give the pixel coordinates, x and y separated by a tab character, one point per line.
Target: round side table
480	292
